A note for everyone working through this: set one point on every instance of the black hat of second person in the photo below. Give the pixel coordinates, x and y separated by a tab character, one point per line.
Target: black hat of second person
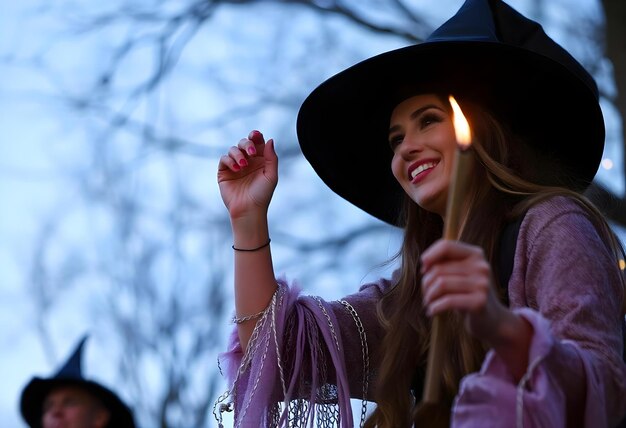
487	53
34	394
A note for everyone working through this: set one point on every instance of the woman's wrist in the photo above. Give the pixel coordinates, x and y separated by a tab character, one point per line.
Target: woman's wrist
250	231
512	343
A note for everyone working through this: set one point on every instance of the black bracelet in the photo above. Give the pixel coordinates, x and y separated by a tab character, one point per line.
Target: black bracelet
253	249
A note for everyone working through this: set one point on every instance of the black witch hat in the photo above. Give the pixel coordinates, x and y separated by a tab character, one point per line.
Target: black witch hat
487	53
34	394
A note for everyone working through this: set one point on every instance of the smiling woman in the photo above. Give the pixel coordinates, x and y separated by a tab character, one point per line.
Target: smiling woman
553	329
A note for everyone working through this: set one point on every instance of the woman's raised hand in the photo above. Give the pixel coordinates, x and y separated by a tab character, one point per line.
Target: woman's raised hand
247	176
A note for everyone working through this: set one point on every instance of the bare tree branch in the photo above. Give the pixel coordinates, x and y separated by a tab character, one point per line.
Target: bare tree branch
615	16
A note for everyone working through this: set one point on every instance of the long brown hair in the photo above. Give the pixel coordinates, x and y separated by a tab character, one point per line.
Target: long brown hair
497	194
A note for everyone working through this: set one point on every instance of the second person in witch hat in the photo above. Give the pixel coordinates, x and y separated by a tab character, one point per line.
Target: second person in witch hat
69	400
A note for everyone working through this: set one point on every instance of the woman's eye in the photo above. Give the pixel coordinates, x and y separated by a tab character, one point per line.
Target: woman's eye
429	119
395	141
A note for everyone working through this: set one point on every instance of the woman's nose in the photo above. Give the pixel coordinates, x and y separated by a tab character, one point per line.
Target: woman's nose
409	147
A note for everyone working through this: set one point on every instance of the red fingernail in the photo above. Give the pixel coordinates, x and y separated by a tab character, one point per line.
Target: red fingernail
236	167
251	150
243	162
256	136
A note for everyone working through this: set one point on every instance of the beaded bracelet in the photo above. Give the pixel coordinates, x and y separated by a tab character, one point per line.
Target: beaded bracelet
252	249
241	320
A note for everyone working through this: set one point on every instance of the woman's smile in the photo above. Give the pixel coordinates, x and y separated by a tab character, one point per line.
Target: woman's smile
419	170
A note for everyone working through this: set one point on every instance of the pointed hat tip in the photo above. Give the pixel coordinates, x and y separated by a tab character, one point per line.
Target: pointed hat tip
72	369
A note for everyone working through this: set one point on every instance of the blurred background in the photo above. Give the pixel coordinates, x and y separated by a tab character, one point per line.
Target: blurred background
113	116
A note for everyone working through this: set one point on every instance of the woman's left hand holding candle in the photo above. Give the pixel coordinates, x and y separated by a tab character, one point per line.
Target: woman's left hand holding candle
458	277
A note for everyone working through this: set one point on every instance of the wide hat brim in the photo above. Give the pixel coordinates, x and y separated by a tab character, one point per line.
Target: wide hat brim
34	394
343	124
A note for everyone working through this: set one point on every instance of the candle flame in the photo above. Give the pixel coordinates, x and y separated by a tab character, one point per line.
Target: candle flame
461	127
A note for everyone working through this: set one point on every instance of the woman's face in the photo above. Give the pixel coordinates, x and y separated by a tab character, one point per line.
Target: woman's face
421	135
